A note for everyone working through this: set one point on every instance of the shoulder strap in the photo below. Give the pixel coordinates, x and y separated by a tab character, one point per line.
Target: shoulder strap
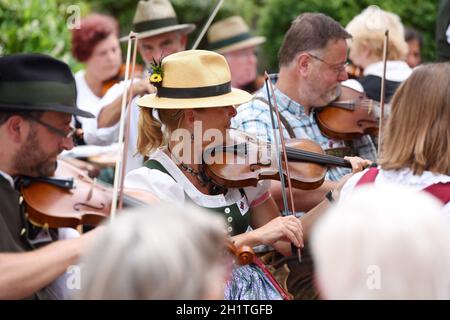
368	177
283	119
440	190
154	164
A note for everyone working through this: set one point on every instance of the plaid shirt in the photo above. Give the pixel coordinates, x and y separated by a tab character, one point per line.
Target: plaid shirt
254	118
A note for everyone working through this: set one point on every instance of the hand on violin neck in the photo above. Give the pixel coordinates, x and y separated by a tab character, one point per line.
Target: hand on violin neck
358	164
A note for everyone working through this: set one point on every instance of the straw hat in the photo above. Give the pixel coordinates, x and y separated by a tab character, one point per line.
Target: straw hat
154	17
194	79
231	34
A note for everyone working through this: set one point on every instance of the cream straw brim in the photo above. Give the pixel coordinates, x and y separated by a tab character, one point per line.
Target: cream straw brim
235	97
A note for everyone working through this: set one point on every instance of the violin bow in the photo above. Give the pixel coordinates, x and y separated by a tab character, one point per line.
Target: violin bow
274	108
119	173
383	86
207	24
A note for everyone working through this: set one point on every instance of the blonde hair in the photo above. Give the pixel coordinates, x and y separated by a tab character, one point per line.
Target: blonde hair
161	253
151	134
368	29
383	243
417	134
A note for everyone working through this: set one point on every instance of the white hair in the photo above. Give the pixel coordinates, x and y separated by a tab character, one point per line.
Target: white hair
158	254
383	243
368	28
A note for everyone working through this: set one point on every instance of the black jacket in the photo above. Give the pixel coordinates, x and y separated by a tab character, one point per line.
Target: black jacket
442	24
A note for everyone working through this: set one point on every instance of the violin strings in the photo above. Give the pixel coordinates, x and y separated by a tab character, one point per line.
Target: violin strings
315	157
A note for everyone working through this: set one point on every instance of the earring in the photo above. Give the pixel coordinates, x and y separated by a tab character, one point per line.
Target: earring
192	136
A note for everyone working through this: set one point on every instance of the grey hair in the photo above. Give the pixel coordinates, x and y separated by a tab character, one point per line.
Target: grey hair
158	254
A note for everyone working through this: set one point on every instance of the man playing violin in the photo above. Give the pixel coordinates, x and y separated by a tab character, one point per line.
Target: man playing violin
312	62
37	102
159	35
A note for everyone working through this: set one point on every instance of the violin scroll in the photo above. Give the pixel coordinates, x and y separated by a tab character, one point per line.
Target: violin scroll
353	71
244	254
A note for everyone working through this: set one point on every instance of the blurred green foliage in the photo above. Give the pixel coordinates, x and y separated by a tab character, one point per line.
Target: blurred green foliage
38	26
41	25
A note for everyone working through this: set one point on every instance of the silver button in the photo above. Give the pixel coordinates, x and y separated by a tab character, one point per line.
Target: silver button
20	200
227	210
230	219
229	229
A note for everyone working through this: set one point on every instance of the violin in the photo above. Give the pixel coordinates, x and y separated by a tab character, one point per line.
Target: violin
349	117
120	76
60	201
246	160
243	254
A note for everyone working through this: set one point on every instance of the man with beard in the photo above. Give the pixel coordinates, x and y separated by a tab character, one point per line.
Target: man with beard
37	101
312	62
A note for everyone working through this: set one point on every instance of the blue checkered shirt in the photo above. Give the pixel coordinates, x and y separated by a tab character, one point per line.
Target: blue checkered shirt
254	118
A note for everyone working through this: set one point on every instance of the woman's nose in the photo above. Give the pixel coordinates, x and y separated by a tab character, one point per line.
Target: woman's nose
232	111
67	143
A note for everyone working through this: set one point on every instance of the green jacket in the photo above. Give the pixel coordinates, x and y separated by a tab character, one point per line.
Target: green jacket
15	231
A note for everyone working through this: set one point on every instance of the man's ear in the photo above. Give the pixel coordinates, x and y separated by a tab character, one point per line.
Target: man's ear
303	64
15	128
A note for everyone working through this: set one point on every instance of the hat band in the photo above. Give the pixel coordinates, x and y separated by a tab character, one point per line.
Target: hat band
229	41
155	24
192	93
37	93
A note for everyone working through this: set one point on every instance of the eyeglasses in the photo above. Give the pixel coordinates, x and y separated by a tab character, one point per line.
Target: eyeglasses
338	68
59	132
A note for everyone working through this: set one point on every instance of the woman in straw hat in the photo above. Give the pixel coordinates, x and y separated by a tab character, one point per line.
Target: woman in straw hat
195	97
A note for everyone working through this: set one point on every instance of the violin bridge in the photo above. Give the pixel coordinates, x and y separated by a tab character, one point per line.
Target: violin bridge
91	190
